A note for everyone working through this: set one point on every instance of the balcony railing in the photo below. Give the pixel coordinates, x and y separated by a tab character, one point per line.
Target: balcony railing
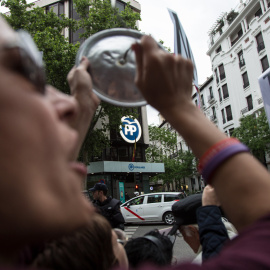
245	110
211	99
242	63
261	46
246	84
222	76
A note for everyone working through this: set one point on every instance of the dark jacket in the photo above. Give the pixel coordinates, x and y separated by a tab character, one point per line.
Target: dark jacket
213	233
110	209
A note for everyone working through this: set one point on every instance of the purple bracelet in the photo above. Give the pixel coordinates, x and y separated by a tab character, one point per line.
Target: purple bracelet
221	156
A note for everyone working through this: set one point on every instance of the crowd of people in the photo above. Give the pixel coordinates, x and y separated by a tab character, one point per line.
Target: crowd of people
46	222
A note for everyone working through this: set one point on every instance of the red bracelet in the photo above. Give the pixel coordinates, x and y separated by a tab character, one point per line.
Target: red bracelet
213	150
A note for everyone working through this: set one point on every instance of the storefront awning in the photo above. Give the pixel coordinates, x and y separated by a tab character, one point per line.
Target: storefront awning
125	167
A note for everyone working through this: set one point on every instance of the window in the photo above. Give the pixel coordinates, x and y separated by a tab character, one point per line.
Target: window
229	113
221	72
75	36
202	100
245	80
216	73
214	112
260	43
264	63
218	49
211	92
120	5
223	116
137	201
239	35
196	102
249	102
154	199
219	94
241	59
172	197
258	13
225	91
57	8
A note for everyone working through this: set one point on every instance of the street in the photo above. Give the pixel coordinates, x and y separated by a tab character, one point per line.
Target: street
181	252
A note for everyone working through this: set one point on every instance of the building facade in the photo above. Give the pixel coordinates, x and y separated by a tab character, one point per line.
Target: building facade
239	51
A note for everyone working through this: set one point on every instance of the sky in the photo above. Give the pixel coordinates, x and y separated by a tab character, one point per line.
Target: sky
196	17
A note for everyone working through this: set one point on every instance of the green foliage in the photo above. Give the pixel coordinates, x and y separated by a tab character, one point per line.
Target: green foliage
46	29
163	142
255	133
96	16
187	164
99	15
231	16
162	148
168	49
59	55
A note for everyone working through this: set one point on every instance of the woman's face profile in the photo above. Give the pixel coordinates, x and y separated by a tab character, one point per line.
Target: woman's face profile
41	185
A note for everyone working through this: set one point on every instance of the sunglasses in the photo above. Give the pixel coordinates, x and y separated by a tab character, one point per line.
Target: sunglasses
31	57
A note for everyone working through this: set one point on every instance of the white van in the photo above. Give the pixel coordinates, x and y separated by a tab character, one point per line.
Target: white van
151	207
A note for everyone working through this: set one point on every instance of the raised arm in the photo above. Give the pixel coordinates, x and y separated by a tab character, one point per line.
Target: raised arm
80	84
242	184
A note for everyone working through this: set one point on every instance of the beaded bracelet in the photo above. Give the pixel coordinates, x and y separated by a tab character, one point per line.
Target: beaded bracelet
217	154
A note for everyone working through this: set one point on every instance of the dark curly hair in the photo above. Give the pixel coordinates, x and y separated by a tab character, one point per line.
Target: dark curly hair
87	248
157	250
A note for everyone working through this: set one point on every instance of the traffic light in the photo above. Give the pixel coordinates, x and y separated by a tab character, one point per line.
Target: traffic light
136	187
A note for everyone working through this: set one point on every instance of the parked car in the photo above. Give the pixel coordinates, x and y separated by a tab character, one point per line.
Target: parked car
151	207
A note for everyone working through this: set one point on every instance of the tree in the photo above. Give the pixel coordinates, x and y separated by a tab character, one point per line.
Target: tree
59	55
255	133
188	166
46	29
163	148
95	16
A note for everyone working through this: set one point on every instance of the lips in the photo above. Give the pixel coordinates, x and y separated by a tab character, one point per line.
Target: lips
78	167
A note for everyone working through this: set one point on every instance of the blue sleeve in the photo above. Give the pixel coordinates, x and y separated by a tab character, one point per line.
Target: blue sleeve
213	233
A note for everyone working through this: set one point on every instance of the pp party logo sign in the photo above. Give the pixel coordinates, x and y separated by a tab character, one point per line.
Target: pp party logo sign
130	129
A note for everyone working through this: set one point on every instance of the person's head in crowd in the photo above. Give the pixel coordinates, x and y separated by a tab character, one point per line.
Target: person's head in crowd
99	191
37	152
93	247
153	247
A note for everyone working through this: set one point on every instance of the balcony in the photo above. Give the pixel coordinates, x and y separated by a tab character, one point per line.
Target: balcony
211	99
222	76
260	46
242	63
243	111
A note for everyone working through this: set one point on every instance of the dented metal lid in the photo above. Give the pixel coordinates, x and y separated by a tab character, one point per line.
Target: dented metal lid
113	66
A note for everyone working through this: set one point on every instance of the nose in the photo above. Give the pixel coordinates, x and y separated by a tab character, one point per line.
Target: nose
66	106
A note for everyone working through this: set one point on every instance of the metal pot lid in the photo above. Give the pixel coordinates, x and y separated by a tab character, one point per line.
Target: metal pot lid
113	66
